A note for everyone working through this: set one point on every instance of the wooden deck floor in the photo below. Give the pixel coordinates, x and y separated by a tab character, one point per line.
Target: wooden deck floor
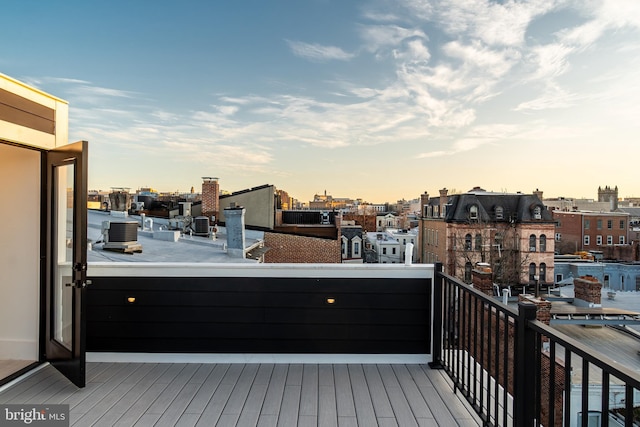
173	394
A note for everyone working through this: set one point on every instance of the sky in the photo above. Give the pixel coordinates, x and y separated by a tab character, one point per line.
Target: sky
372	99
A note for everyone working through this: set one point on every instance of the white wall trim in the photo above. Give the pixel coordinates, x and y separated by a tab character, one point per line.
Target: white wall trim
257	358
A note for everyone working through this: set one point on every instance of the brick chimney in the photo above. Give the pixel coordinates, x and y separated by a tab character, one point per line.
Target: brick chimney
482	280
543	308
538	193
210	197
424	201
587	291
443	201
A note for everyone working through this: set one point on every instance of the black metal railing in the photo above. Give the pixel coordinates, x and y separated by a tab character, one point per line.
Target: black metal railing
518	371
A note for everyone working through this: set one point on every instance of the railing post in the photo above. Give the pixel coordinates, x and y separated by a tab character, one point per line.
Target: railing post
526	371
436	326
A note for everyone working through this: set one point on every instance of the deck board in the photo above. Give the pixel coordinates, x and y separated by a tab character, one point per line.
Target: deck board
265	395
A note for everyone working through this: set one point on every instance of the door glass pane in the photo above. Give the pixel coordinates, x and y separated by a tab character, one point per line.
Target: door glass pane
63	256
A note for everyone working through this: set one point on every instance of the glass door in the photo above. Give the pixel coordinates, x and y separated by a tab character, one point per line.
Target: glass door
66	259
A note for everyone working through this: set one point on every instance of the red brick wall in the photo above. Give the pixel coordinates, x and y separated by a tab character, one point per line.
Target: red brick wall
284	248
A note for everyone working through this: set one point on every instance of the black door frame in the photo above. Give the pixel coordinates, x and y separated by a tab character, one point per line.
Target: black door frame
70	362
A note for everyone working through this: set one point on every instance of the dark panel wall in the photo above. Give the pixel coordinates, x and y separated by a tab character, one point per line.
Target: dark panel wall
259	315
24	112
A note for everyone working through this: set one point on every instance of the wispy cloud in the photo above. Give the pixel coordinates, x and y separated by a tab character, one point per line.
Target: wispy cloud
317	52
452	73
475	138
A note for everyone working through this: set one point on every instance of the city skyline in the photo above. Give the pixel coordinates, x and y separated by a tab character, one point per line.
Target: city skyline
371	99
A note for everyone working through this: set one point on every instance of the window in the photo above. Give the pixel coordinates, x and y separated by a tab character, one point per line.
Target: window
543	272
344	247
473	212
532	243
498	241
598	240
467	242
537	212
599	224
532	272
622	224
467	272
558	237
587	224
543	243
393	251
609	224
499	212
621	240
587	240
478	245
384	251
609	240
356	245
606	280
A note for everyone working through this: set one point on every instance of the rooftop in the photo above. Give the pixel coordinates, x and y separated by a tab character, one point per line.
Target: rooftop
188	248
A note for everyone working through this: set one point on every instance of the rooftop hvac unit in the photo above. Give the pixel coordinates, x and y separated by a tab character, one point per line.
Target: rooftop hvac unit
201	226
123	231
121	236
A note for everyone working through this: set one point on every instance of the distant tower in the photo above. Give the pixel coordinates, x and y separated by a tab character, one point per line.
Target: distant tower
608	194
210	197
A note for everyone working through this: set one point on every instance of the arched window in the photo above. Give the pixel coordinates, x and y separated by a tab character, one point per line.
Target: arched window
478	244
532	272
467	272
543	272
498	241
543	243
532	243
467	242
499	212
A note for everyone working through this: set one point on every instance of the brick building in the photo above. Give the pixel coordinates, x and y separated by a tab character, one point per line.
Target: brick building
587	231
513	233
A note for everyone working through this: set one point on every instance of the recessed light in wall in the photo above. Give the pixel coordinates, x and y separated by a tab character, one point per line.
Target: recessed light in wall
331	300
131	300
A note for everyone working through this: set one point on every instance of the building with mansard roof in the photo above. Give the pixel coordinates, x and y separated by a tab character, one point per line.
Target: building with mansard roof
510	233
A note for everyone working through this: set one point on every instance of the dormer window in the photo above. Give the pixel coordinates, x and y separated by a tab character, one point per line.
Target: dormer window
537	212
499	212
473	212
